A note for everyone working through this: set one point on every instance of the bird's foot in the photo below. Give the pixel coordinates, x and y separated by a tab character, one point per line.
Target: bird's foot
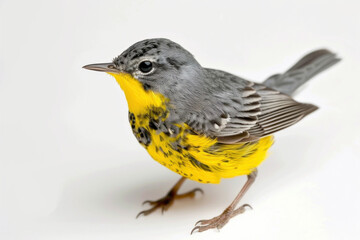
219	221
165	202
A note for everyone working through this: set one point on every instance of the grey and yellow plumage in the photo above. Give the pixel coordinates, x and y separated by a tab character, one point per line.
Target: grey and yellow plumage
202	123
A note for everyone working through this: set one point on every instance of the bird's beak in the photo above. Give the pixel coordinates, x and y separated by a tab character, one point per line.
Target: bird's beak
103	67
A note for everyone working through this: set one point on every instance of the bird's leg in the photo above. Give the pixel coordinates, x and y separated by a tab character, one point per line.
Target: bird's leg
165	202
220	221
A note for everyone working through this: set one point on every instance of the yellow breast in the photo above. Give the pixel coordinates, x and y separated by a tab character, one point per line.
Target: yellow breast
197	157
137	98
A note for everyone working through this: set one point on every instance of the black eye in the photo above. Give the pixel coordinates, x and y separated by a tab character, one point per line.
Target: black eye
145	66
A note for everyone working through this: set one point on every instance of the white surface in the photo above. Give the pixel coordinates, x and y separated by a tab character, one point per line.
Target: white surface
71	169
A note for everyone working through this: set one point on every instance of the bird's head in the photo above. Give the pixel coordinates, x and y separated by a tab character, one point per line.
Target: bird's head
158	65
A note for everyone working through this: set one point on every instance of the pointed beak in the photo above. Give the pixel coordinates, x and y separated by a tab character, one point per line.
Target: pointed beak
103	67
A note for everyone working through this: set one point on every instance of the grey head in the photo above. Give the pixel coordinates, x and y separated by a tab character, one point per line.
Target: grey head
159	64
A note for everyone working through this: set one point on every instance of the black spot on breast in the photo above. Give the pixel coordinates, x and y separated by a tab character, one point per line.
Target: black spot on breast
181	164
146	86
153	124
249	153
144	136
132	120
156	111
131	116
199	164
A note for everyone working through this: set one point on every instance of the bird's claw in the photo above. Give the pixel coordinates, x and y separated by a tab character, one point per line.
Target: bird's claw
165	202
149	202
219	221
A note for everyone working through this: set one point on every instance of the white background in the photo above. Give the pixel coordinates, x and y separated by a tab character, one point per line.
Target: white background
71	169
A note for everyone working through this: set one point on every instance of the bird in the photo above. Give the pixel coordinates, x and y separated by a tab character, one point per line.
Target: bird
206	124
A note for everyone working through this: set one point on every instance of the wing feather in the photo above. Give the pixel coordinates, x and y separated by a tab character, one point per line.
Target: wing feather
240	110
276	112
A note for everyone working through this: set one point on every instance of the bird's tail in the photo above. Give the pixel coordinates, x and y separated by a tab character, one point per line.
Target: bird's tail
307	67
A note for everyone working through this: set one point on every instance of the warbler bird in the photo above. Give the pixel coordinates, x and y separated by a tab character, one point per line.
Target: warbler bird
202	123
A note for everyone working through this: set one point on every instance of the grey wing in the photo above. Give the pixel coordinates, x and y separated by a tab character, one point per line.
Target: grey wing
277	111
262	113
224	106
245	111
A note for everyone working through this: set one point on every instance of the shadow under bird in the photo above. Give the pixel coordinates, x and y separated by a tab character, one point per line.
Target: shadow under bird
206	124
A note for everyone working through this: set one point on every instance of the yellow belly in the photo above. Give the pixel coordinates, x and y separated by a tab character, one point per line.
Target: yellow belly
196	157
205	160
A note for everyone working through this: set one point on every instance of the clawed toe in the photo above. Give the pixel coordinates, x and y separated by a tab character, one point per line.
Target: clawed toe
165	202
190	194
240	210
200	229
149	202
219	221
204	221
146	212
204	228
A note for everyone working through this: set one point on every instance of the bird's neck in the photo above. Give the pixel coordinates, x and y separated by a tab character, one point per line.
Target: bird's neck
139	100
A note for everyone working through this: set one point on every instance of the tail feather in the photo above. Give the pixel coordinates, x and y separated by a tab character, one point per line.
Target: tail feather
307	67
